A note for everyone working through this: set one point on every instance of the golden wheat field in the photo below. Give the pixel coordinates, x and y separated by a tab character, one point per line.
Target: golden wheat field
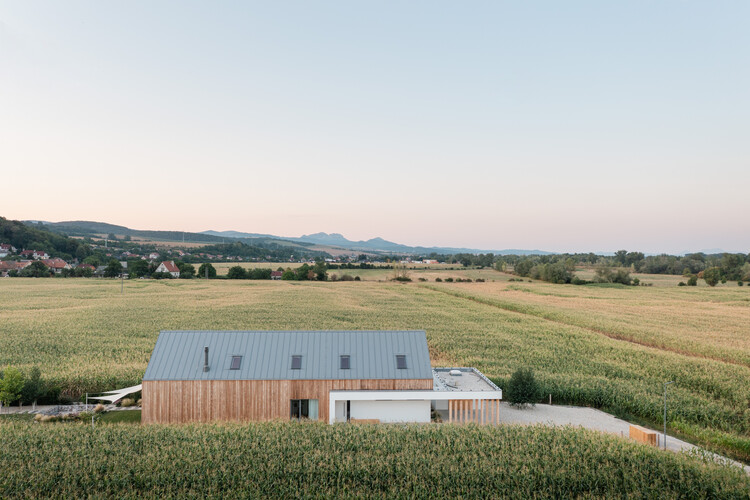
604	347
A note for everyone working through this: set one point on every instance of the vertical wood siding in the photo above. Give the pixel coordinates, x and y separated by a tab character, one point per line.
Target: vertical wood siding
181	401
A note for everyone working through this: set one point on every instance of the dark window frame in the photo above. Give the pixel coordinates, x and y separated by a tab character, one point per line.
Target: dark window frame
345	359
238	360
296	362
401	362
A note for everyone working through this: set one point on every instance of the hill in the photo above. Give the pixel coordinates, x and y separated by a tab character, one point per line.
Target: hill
38	237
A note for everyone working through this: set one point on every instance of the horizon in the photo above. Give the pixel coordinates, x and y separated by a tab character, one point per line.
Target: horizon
705	250
554	127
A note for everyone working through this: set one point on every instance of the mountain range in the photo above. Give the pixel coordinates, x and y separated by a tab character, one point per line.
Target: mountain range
323	241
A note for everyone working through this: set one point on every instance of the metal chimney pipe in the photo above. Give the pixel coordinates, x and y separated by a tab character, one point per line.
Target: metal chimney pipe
205	359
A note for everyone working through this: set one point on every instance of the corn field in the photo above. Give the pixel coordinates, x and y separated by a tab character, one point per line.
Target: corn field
291	460
587	346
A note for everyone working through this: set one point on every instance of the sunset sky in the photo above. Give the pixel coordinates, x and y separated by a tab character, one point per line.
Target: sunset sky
562	126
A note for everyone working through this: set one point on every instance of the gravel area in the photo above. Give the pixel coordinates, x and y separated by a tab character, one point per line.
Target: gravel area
588	418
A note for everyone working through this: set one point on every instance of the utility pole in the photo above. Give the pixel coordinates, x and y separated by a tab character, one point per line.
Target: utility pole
665	412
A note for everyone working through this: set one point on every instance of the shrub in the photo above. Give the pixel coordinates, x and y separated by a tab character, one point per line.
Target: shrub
523	388
347	277
127	402
357	278
422	279
99	408
692	280
712	276
740	283
479	280
636	282
438	280
681	283
449	280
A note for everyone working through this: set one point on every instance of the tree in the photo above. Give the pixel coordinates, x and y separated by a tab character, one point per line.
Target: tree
113	269
138	268
32	387
206	266
712	275
11	386
111	236
522	389
321	274
289	275
187	271
36	269
236	273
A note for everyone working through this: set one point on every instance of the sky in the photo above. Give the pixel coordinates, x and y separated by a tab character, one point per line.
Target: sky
561	126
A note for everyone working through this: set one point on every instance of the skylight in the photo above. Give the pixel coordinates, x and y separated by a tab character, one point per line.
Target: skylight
236	363
296	362
344	362
401	361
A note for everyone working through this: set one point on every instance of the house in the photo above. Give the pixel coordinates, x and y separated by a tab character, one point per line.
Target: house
276	275
35	254
86	266
153	256
11	265
6	249
168	266
332	376
56	264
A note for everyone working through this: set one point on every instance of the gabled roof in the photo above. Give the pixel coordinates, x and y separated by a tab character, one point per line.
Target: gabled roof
170	266
267	355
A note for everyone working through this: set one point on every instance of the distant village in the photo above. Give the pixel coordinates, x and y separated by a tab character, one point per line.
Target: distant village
164	263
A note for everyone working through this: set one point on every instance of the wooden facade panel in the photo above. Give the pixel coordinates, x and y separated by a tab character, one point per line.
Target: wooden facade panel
181	401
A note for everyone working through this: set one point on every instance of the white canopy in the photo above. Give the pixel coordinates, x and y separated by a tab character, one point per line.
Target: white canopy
113	396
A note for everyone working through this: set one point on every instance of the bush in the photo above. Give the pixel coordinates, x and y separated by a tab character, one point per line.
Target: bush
681	283
479	280
127	402
422	279
712	276
357	278
438	280
99	408
522	389
449	280
739	283
692	280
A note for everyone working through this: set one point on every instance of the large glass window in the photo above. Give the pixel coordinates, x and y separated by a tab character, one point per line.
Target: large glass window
303	409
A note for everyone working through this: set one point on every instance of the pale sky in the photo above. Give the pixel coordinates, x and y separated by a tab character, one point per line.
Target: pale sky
563	126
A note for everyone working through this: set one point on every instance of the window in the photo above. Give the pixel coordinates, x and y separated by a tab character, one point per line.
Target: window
236	363
303	409
344	361
296	362
401	361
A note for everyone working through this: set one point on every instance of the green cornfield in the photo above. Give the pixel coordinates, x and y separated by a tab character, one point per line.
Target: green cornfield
291	460
609	348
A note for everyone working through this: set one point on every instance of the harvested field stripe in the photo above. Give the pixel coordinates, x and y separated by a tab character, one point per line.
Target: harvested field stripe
537	312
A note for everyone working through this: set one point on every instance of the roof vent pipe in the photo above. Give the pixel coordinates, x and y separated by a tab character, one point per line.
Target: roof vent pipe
205	359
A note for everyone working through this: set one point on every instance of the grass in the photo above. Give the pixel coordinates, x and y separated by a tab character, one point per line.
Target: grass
316	460
121	417
603	347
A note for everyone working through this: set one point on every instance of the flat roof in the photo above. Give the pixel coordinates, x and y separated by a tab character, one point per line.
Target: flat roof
461	379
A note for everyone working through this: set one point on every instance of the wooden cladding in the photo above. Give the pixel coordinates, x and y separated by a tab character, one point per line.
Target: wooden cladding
180	401
478	411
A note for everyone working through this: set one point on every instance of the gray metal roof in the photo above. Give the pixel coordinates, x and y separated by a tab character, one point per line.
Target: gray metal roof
267	355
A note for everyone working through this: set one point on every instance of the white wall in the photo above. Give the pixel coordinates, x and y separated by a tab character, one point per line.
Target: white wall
392	411
340	411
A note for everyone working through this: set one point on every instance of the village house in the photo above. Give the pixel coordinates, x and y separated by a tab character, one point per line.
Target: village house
332	376
6	266
168	266
276	275
6	249
56	264
35	254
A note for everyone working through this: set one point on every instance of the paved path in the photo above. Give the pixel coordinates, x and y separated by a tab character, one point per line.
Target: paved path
588	418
